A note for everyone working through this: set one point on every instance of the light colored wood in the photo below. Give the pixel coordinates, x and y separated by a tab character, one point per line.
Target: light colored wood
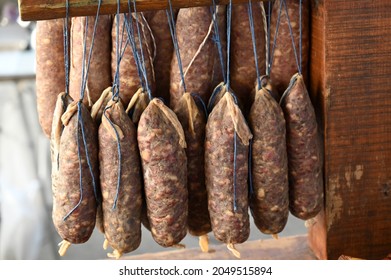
42	10
289	248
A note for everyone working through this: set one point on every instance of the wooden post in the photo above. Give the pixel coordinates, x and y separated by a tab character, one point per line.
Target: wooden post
351	87
43	9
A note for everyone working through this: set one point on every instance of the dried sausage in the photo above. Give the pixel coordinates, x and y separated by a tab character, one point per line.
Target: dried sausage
99	75
50	69
162	148
284	64
120	180
304	151
226	186
269	200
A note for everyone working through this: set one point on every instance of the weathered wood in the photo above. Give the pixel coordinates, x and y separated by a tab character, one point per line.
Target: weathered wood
289	248
41	10
350	83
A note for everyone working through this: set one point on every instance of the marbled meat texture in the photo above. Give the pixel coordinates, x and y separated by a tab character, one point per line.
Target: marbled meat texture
50	70
194	32
269	202
193	120
242	68
162	149
99	75
229	225
79	225
122	224
304	152
284	64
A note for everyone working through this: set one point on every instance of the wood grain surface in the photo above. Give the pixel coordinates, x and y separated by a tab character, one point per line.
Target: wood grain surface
350	85
41	10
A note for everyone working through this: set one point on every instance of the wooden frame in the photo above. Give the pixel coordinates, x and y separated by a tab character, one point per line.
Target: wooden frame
41	10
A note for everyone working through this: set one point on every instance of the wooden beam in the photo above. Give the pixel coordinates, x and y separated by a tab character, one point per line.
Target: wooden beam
41	10
351	86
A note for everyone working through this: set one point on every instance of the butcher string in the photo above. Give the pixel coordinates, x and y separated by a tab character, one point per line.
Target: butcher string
80	122
171	24
288	90
143	67
300	36
129	29
198	98
266	26
251	21
217	40
275	35
292	36
119	53
66	47
229	19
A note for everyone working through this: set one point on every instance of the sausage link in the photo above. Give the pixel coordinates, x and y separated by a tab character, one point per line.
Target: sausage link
242	68
269	202
122	206
99	75
229	225
284	64
194	32
304	151
162	149
50	70
193	121
75	226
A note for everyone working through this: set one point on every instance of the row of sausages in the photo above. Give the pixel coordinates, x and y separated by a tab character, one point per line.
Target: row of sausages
116	172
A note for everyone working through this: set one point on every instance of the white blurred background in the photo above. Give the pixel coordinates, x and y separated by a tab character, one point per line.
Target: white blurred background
26	230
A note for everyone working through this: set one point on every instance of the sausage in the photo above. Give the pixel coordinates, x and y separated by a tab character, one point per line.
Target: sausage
226	120
157	21
99	75
304	151
269	200
50	70
284	64
121	198
129	80
242	68
194	32
193	121
162	148
72	180
136	107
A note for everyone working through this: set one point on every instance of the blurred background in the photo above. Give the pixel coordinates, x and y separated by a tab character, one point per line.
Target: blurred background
26	230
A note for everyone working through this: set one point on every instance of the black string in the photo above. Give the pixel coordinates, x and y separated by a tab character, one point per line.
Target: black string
140	71
143	66
198	98
119	158
217	40
251	20
269	15
171	24
275	36
80	122
66	47
292	37
229	18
